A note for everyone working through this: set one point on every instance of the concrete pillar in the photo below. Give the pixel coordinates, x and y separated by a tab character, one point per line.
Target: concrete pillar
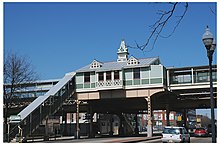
167	115
149	117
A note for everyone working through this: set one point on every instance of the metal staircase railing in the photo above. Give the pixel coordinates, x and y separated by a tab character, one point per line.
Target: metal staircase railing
44	106
128	124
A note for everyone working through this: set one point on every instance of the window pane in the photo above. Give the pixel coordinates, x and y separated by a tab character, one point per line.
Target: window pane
108	75
101	77
116	75
136	73
87	77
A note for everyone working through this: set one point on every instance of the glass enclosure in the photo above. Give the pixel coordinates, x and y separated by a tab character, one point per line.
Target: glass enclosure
192	75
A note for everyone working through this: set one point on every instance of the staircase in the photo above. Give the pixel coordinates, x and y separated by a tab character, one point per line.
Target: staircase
129	128
44	106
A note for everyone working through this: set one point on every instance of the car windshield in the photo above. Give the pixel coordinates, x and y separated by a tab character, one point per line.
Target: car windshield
171	131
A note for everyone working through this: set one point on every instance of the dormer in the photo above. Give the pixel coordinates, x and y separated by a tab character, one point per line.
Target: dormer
132	61
95	64
122	52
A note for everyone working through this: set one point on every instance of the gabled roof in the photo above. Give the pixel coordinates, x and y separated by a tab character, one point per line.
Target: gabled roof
107	66
132	61
95	64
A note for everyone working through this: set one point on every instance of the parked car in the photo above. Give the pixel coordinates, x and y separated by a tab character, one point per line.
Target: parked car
201	131
175	134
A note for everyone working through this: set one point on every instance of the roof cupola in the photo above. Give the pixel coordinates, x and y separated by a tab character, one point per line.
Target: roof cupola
122	52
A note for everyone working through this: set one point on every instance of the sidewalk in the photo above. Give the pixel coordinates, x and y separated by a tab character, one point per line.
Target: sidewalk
114	139
133	139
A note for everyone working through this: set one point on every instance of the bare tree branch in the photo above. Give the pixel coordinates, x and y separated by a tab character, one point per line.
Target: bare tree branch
214	12
17	71
177	21
158	27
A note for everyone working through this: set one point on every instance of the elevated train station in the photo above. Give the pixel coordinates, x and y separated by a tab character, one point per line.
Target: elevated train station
106	98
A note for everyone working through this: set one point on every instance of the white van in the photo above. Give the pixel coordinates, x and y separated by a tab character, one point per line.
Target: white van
175	134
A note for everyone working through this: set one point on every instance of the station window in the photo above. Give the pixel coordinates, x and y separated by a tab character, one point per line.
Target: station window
116	75
136	73
72	117
101	76
108	75
87	77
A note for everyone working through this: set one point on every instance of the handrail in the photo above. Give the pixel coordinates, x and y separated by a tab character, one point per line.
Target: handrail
46	108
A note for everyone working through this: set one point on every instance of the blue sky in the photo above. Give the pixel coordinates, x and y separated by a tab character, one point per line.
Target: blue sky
62	37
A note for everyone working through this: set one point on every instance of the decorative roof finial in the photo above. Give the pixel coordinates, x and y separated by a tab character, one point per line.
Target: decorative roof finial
122	52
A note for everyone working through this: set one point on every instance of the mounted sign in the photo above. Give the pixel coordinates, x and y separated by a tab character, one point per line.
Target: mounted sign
14	119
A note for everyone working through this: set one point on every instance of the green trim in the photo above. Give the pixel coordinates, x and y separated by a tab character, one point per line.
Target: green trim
92	85
137	81
79	74
79	86
145	81
92	73
145	69
129	82
128	70
87	85
156	81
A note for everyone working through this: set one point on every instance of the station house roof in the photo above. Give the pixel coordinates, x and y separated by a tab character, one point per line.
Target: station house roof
122	62
107	66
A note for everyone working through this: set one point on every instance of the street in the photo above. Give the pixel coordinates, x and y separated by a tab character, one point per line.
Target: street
193	140
125	140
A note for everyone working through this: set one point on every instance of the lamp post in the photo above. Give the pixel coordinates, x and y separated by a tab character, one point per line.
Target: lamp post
210	45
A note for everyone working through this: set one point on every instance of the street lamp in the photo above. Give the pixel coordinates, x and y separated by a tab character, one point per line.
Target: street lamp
210	45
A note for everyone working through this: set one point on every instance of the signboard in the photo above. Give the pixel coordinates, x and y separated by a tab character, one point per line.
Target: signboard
179	118
198	120
14	119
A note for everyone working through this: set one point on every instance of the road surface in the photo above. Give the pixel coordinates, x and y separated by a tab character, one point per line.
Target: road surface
192	140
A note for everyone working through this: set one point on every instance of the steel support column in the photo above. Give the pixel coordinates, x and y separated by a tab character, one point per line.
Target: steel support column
91	133
185	118
111	125
136	124
77	120
121	126
46	136
64	122
149	117
167	115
